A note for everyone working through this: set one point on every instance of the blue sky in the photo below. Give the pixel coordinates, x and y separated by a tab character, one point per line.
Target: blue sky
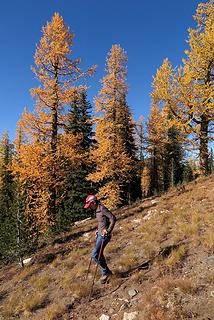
149	31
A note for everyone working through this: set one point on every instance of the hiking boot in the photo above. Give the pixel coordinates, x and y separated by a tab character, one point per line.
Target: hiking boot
104	278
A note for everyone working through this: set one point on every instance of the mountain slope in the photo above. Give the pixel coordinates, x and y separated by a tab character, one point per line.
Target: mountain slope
161	254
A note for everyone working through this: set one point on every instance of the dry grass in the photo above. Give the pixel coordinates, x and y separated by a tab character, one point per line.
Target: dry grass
70	278
176	256
55	311
80	289
150	248
35	293
208	239
152	306
210	279
26	273
35	301
190	215
70	260
12	305
138	276
115	281
158	302
126	262
186	285
20	302
127	259
66	281
168	284
40	282
111	248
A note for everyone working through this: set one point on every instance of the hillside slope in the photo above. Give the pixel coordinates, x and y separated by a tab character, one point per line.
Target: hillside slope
161	253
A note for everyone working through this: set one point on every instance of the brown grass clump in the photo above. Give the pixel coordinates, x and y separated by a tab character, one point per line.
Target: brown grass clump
80	289
27	272
168	284
186	285
40	282
35	301
153	306
208	239
127	260
159	302
138	276
176	256
12	305
56	311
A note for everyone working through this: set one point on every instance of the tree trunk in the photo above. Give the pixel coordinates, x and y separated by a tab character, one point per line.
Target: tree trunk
204	155
54	138
18	230
154	173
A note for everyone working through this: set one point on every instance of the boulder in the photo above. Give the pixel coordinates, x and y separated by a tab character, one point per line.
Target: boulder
132	293
104	317
130	315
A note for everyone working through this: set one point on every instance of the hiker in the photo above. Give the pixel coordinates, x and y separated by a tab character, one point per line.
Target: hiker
106	221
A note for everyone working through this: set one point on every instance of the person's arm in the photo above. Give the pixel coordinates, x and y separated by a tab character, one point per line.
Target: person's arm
112	219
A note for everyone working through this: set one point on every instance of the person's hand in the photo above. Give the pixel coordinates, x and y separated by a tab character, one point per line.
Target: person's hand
104	233
96	234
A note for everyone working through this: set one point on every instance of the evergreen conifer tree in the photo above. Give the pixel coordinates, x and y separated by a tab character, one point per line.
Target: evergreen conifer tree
173	158
7	199
79	123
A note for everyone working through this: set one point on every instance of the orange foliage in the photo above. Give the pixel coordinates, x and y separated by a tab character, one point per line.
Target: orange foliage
113	163
45	151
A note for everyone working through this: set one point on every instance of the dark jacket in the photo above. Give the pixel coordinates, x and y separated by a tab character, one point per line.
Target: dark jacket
106	219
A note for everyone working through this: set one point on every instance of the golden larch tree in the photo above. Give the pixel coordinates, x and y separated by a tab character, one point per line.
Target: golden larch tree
114	154
196	81
188	93
48	150
157	137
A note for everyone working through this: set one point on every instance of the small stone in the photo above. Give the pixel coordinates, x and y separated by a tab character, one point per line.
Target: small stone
26	261
130	315
208	260
86	235
169	305
125	305
136	220
104	317
154	201
132	293
177	290
111	310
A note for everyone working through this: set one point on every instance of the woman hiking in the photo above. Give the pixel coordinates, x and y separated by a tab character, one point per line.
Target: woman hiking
106	221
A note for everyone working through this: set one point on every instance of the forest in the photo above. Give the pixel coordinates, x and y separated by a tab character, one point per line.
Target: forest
66	149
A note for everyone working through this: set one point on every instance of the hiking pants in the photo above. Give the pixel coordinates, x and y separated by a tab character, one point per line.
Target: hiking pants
95	254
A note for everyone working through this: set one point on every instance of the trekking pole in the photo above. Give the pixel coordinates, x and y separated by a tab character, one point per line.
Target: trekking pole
89	265
101	247
88	268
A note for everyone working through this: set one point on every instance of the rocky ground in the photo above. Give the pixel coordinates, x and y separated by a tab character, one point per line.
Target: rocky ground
161	253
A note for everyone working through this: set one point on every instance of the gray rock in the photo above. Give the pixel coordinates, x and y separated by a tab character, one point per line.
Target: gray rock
178	291
27	261
208	260
130	315
104	317
154	201
132	293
